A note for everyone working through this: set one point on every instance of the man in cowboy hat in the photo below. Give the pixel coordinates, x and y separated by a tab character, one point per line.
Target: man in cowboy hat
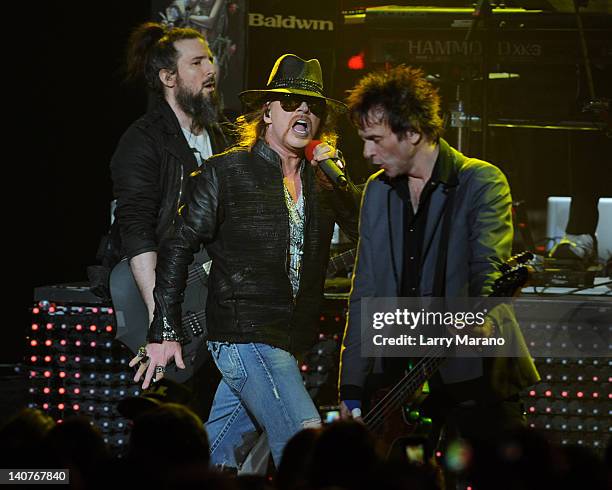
266	216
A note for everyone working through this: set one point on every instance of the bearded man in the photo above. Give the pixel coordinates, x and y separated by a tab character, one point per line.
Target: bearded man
157	154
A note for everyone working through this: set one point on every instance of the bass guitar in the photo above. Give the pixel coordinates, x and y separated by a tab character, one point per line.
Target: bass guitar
133	317
388	418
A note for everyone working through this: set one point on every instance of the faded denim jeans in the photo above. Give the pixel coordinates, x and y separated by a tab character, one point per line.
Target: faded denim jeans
261	389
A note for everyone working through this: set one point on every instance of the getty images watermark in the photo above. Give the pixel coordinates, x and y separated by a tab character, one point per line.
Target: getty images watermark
480	327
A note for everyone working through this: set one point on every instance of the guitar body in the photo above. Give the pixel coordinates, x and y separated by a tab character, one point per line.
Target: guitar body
133	318
398	423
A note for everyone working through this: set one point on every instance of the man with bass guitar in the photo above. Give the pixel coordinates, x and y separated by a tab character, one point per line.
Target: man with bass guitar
433	223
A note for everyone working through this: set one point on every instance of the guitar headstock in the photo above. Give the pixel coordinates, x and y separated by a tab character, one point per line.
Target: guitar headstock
515	273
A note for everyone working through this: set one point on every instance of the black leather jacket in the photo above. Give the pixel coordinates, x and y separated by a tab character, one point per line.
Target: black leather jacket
238	211
150	171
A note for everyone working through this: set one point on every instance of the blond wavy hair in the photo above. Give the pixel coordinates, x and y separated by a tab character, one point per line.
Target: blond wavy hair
251	127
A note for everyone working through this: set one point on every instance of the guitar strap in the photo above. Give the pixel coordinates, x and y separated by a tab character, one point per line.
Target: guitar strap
439	285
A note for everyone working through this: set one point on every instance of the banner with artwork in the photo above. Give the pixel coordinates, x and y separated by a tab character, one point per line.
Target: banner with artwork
223	22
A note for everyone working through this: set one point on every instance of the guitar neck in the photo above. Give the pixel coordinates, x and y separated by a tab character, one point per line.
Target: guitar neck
405	388
198	272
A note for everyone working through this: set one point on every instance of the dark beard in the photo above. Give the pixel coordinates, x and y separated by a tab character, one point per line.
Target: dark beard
201	108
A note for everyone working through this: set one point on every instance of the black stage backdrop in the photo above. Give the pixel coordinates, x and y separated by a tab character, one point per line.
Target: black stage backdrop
69	109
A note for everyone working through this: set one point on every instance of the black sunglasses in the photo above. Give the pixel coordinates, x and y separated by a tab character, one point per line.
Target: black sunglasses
290	102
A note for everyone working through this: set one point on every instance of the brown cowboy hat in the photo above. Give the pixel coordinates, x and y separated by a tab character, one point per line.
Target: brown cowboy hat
293	75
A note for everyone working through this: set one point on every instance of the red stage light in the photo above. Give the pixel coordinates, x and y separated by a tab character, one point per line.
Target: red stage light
33	343
93	328
356	62
34	326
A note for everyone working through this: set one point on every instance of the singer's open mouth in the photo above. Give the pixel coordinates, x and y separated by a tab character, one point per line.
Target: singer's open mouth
301	127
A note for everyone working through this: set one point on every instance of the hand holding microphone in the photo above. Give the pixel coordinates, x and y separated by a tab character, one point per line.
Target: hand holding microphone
327	165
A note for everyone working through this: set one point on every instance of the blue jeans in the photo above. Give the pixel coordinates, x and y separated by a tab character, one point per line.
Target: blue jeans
261	389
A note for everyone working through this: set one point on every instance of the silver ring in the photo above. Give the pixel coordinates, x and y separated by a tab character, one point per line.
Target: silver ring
142	352
160	369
